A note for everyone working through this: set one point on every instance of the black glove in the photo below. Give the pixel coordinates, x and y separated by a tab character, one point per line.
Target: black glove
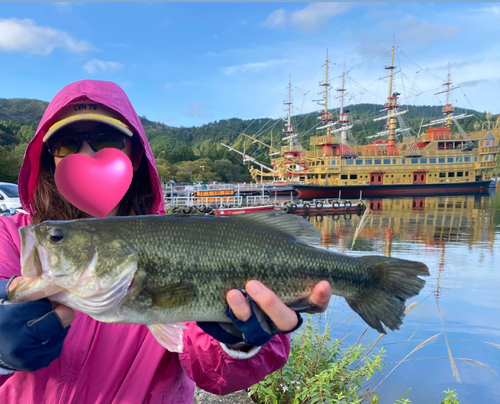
256	331
31	334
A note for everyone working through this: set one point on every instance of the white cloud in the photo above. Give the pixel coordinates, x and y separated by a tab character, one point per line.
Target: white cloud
252	67
25	36
94	66
424	32
63	7
316	15
276	20
311	18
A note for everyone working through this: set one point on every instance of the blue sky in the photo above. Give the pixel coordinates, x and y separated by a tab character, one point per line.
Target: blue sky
188	64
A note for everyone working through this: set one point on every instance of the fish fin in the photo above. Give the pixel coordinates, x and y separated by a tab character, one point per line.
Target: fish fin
173	295
304	306
31	289
168	335
395	280
293	226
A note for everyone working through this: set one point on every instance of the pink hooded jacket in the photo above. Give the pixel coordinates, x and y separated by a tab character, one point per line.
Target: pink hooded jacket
105	363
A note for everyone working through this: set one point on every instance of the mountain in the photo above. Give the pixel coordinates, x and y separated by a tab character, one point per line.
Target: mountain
19	119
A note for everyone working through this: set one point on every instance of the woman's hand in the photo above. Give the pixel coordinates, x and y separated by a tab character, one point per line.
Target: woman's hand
65	314
260	315
32	334
284	318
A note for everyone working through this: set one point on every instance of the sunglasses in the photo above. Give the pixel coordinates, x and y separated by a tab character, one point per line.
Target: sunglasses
67	141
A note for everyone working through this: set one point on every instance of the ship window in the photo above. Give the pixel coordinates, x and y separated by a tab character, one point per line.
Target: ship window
349	162
414	161
322	175
403	161
451	174
322	162
353	176
359	162
475	158
441	160
460	173
459	159
466	173
343	177
378	161
387	161
394	161
368	161
432	161
442	175
467	158
450	159
423	161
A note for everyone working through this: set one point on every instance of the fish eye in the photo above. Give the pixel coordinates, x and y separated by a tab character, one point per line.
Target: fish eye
56	235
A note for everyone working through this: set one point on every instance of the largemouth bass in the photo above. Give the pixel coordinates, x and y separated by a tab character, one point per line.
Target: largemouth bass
164	270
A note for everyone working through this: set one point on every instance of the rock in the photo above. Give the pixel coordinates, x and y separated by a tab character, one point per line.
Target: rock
203	397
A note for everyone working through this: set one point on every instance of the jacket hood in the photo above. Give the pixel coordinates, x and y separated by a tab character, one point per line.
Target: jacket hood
102	92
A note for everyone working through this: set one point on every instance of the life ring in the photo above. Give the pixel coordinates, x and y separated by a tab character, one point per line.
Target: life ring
347	216
208	210
319	205
335	217
186	210
306	206
293	207
286	209
347	204
175	209
319	218
335	204
201	208
192	209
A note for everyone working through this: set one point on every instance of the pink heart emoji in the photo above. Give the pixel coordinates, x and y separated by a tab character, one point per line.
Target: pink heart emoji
94	184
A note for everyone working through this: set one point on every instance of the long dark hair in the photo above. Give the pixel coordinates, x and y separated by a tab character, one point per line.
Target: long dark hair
49	204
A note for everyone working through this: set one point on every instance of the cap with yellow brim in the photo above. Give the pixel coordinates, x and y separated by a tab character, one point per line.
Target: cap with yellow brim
87	111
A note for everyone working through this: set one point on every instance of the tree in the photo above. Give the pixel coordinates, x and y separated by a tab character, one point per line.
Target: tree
190	171
165	169
226	171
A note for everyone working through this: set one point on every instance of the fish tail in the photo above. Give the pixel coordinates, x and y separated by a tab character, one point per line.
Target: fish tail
394	281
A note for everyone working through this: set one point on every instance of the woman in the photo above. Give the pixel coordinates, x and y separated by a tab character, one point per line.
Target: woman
44	359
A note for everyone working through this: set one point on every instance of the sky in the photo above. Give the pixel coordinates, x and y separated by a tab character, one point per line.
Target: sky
190	64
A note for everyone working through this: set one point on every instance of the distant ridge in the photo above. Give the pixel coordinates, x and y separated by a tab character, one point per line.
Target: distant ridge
26	111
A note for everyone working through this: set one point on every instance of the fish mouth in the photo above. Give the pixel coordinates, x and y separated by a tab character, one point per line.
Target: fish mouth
31	266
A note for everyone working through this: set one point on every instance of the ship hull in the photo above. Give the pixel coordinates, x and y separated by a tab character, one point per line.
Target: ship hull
362	191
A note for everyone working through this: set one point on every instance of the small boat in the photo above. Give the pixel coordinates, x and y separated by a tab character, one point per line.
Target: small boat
241	210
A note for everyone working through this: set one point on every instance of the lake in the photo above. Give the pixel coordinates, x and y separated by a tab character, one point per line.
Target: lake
458	237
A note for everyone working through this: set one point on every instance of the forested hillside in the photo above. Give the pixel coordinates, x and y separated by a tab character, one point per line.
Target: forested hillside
195	153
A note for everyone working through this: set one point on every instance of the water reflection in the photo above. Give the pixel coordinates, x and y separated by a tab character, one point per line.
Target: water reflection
458	237
433	221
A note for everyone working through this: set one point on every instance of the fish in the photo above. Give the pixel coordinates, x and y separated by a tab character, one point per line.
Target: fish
163	271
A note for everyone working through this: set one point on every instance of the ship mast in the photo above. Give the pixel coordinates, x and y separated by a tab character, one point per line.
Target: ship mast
448	109
391	107
343	116
326	116
289	131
